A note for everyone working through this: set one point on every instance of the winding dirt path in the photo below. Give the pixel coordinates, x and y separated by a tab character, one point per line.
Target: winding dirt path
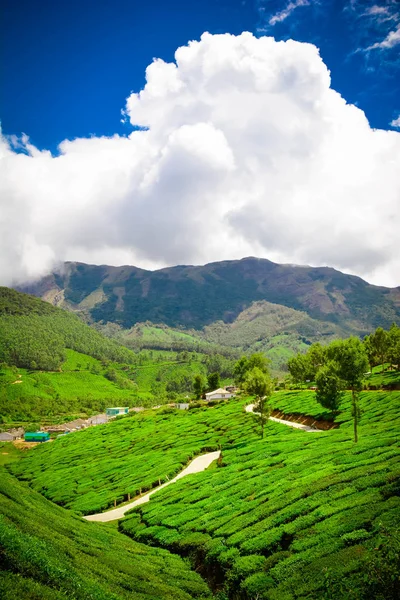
250	408
200	463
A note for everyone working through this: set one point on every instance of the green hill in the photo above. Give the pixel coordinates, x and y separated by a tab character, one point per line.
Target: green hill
48	553
296	515
53	365
34	334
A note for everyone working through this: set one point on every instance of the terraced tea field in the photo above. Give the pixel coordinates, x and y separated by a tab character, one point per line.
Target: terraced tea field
88	470
49	553
295	515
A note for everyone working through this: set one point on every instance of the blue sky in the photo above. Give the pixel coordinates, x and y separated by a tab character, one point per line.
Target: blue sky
230	144
67	67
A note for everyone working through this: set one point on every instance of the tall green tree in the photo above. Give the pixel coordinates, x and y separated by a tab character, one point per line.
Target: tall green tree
329	387
260	361
300	368
198	386
394	346
317	357
244	365
213	381
240	369
377	346
259	384
352	363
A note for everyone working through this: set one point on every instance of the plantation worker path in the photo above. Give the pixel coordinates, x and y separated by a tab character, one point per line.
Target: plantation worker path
200	463
250	408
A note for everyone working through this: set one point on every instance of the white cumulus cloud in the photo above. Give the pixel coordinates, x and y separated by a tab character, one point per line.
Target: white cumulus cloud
243	148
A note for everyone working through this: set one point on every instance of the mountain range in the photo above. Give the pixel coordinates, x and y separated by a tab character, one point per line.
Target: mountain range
241	303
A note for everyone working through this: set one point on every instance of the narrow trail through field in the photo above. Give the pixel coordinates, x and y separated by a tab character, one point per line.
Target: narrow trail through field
250	408
200	463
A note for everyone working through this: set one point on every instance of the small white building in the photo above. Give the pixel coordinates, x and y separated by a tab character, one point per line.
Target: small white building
182	405
6	437
219	394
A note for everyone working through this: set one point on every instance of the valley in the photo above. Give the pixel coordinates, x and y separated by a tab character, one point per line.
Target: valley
294	497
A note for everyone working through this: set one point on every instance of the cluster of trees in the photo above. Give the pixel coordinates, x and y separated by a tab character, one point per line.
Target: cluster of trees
384	347
38	341
343	365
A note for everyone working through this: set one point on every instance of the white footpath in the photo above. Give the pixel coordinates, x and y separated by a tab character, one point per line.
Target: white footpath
200	463
250	408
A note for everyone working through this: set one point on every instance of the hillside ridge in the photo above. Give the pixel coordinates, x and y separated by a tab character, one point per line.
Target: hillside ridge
197	296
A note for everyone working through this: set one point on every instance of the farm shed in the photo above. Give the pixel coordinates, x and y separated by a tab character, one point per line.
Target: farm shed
12	434
37	436
17	432
118	410
183	406
218	394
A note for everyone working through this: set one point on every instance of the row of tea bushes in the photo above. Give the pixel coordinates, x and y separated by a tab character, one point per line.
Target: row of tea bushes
51	554
296	515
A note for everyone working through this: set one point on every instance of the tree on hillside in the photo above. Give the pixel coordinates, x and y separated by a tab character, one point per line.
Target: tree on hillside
240	369
300	368
198	386
317	356
352	363
213	381
329	387
260	361
259	384
377	346
394	346
244	365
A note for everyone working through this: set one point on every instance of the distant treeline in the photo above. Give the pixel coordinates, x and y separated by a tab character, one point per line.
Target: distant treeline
139	344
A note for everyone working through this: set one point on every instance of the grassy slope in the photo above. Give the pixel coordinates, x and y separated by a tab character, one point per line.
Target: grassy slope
278	331
86	471
50	554
53	395
296	515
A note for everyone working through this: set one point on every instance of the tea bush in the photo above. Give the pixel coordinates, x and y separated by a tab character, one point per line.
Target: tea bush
49	553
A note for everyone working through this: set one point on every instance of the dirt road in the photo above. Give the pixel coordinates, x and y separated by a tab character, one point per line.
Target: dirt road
196	466
250	408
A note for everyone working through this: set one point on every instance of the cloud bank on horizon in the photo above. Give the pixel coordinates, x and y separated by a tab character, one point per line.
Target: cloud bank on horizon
241	148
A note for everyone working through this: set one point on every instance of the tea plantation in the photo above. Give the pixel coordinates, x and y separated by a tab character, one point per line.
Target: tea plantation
88	470
296	515
49	553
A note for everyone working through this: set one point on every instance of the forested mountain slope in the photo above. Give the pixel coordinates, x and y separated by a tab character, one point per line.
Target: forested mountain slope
196	296
34	334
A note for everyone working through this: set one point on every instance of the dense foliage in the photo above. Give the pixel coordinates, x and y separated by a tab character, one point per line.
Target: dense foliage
195	296
85	385
34	335
49	553
88	470
293	516
298	515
